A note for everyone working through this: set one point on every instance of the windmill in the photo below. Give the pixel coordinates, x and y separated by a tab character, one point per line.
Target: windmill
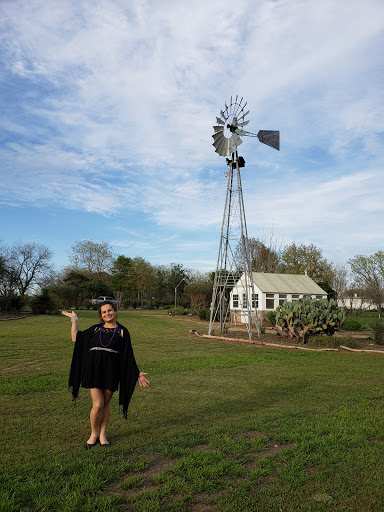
233	260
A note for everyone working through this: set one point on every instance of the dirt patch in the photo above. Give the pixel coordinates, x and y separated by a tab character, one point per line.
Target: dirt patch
204	448
272	450
201	505
158	464
252	434
10	369
134	482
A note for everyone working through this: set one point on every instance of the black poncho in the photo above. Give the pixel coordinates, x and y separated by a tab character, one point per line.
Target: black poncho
127	369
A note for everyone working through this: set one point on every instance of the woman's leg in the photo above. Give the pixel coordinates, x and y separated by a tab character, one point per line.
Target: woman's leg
107	412
97	413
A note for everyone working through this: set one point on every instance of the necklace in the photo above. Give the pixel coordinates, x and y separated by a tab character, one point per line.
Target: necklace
110	341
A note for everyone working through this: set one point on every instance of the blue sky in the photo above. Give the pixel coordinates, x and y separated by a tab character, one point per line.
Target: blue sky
107	111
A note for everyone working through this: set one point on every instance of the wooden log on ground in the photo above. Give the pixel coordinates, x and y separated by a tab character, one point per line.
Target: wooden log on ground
261	343
362	350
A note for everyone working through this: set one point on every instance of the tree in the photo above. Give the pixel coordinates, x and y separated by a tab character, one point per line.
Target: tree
368	272
8	284
168	278
306	259
28	262
76	289
356	300
340	279
200	294
122	273
95	257
263	258
143	277
123	278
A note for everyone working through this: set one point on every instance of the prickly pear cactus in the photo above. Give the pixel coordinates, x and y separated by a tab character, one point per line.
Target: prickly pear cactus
302	318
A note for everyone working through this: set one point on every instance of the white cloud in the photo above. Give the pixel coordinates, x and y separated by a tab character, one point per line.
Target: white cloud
119	98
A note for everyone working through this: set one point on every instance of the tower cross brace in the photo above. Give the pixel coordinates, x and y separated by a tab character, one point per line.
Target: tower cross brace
233	261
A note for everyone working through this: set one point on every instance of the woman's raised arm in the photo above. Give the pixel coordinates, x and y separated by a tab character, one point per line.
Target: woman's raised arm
74	325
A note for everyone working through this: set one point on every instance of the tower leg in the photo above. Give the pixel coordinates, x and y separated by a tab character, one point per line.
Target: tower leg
233	260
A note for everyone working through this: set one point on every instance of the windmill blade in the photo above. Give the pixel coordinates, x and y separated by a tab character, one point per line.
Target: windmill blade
221	147
270	138
219	121
218	129
244	123
217	143
234	145
237	109
242	109
220	143
234	142
242	117
217	136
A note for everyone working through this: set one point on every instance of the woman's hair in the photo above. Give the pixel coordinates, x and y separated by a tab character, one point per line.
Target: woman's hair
104	304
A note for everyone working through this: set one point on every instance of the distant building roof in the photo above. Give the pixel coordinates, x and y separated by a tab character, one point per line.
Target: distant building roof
286	283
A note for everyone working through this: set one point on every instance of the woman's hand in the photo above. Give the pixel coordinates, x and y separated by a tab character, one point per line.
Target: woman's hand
71	315
143	382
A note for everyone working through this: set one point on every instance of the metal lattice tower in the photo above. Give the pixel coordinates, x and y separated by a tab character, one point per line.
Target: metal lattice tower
233	261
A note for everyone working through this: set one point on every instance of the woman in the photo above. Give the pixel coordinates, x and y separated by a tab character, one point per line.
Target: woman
103	361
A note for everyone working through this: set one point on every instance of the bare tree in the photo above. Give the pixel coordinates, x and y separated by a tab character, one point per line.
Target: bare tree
265	251
8	284
369	275
340	279
263	258
95	257
28	262
356	300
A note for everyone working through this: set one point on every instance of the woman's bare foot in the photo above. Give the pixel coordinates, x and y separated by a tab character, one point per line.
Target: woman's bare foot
93	439
103	440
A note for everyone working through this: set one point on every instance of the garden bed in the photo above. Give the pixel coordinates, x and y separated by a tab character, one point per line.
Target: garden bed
353	339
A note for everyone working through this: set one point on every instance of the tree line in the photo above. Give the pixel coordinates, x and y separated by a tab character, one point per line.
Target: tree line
27	275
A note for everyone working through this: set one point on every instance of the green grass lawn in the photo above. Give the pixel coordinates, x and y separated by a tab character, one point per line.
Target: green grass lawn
223	427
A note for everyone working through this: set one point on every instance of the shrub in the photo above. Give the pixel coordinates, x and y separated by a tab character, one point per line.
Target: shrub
351	324
86	304
179	310
43	304
155	304
305	317
348	341
332	342
127	303
204	313
12	302
271	317
378	332
323	340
